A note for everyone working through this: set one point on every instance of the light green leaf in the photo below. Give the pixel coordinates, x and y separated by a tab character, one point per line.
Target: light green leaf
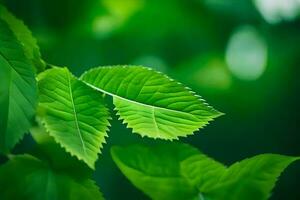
156	170
24	35
73	113
25	177
177	171
150	103
252	178
18	91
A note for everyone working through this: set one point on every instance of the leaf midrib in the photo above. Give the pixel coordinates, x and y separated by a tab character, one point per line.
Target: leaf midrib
75	114
136	102
155	123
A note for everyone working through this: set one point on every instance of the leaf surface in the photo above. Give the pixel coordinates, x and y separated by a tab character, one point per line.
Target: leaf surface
178	171
202	171
18	90
25	177
73	113
24	35
150	103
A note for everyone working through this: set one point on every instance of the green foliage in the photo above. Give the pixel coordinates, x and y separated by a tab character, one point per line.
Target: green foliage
18	92
150	103
63	98
148	107
28	178
72	119
178	171
74	114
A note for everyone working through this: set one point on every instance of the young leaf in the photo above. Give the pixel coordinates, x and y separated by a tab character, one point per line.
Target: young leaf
18	91
23	34
73	113
150	103
200	177
25	177
156	170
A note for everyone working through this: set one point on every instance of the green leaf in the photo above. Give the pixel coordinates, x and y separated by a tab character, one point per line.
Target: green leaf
150	103
24	35
73	113
156	170
25	177
252	178
178	171
18	91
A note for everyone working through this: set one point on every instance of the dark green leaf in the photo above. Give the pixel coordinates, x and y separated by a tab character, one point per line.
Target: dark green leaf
18	91
23	34
27	178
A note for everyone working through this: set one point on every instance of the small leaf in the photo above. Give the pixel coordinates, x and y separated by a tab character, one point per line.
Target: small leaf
25	177
18	91
73	113
150	103
177	171
24	35
156	170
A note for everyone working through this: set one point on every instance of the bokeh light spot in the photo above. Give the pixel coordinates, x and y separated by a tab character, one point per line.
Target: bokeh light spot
123	9
213	75
275	11
118	12
246	53
104	25
206	72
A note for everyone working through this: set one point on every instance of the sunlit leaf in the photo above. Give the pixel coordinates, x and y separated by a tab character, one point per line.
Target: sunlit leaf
25	177
73	113
18	91
150	103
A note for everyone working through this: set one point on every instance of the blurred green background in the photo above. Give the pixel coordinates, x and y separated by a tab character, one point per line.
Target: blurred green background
242	56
